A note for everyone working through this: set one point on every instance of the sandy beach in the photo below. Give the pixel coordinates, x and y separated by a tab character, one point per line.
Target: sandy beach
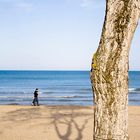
55	122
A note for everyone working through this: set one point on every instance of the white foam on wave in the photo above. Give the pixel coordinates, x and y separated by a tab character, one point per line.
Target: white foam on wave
134	89
131	89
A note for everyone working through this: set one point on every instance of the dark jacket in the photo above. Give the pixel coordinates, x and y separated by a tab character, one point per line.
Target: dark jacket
36	93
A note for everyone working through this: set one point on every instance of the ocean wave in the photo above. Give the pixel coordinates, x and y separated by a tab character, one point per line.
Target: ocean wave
134	89
11	92
67	100
134	100
86	89
72	96
44	97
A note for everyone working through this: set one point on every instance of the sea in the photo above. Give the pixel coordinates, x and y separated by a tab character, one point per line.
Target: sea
55	87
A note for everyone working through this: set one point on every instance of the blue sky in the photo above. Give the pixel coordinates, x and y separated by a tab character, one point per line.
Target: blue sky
53	34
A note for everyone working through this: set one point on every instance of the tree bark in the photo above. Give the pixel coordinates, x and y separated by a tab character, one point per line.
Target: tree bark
109	73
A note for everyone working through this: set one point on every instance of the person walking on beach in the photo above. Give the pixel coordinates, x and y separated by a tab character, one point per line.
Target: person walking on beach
35	100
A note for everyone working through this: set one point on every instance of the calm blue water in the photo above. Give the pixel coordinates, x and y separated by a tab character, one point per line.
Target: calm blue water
56	87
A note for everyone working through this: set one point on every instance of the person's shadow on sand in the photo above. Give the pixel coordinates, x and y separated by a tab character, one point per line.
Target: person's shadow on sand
70	123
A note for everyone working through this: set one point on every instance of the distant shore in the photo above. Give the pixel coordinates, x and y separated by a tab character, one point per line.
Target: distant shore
19	122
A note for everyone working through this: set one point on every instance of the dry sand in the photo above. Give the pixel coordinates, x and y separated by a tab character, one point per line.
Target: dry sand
55	123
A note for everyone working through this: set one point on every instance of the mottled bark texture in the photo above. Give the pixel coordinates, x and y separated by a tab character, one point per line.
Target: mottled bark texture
109	74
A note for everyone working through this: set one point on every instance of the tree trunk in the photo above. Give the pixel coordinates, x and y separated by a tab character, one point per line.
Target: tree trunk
109	74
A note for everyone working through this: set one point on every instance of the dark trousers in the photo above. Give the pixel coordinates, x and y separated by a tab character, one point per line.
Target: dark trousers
35	101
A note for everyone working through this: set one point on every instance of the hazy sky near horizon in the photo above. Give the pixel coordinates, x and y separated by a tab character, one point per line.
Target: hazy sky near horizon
53	34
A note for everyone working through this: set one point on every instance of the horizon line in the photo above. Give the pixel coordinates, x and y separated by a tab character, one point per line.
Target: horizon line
47	70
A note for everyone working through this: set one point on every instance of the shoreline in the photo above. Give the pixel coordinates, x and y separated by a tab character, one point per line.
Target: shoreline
57	122
47	105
